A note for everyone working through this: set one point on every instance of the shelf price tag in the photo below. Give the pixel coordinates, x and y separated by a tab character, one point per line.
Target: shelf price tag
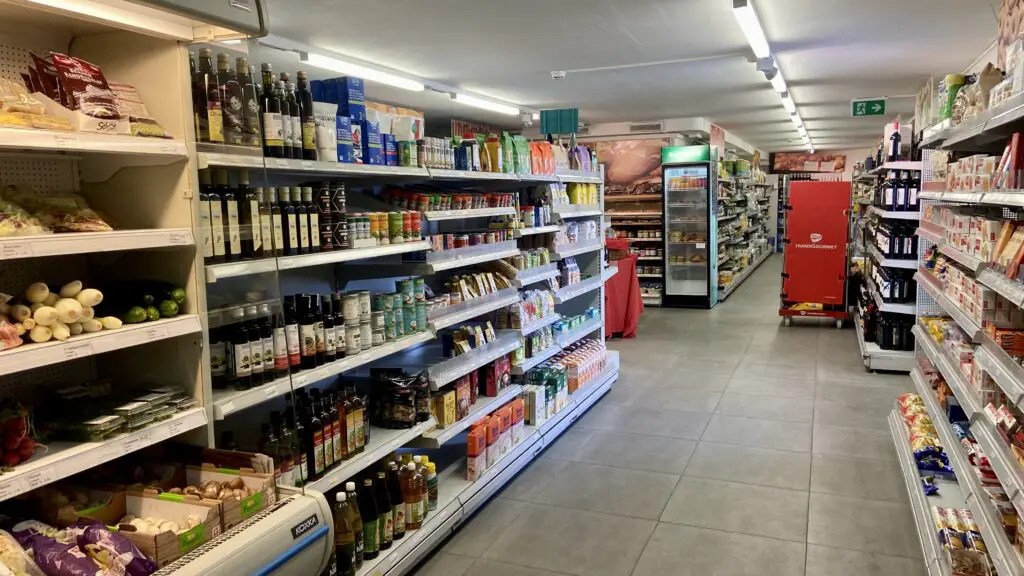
175	428
158	333
66	140
38	478
15	250
307	165
11	488
75	351
180	238
282	163
270	391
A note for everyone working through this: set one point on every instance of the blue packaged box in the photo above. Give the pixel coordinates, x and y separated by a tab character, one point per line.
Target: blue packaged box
358	143
348	92
390	149
373	152
316	88
345	146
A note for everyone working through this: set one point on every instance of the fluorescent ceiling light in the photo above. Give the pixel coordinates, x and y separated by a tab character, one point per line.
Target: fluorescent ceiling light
373	75
777	82
787	103
797	120
745	16
802	131
536	116
486	104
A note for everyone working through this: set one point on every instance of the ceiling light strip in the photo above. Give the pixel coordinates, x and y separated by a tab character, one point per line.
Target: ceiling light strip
485	104
364	72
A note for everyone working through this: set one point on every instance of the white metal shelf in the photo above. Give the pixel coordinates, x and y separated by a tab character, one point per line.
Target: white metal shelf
925	231
383	441
578	289
453	368
969	402
445	174
157	150
875	358
475	255
728	290
336	256
913	165
1009	289
566	211
889	306
924	280
540	323
439	215
536	360
342	168
1007	373
566	176
14	247
483	405
894	215
890	262
574	335
445	317
521	232
32	355
224	270
536	274
65	459
972	263
227	402
565	251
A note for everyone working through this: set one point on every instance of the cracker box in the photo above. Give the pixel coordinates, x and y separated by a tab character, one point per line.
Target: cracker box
444	409
518	418
476	451
505	435
234	511
493	440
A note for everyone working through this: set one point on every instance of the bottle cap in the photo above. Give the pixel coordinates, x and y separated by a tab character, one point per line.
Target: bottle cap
417	459
350	486
340	497
431	467
411	466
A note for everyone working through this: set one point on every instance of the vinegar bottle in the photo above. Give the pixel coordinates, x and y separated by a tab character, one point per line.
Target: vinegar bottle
371	519
387	526
412	494
344	538
357	522
397	502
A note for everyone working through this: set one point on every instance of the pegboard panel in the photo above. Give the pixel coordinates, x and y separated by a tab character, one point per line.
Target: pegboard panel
926	305
32	385
15	59
48	177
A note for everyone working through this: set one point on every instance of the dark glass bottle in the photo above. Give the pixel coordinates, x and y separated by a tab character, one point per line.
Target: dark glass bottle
227	441
313	216
198	102
307	331
323	208
217	221
296	434
330	339
293	335
290	221
228	199
900	190
270	108
332	415
255	346
240	351
397	502
386	526
232	101
302	217
211	118
284	457
218	357
314	438
371	518
267	335
286	119
320	408
305	99
339	326
295	110
280	345
249	218
276	222
250	104
913	187
344	537
894	143
205	225
318	327
266	223
357	522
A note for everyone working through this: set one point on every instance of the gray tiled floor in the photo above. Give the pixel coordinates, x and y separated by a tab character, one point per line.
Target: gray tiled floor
730	445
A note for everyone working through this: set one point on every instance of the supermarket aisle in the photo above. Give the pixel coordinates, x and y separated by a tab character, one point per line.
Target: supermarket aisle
731	445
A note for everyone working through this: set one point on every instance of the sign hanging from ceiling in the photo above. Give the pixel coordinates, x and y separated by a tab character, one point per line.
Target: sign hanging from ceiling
867	107
562	121
717	138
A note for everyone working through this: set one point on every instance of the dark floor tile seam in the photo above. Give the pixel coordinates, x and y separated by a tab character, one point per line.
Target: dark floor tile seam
810	478
507	563
575	509
885	554
724	443
777	538
764	418
618	467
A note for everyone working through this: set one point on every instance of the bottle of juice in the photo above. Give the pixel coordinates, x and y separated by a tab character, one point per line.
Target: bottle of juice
357	522
380	494
421	469
344	538
412	495
431	486
397	502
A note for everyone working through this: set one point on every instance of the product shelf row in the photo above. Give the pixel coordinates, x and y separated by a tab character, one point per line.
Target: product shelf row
889	306
972	263
743	276
15	247
562	252
906	264
1013	197
341	169
912	165
578	289
930	285
875	358
483	405
893	214
989	127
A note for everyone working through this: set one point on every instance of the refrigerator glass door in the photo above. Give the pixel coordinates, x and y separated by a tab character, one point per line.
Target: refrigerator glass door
686	230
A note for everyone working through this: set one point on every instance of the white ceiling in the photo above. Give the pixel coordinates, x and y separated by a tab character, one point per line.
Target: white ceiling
829	52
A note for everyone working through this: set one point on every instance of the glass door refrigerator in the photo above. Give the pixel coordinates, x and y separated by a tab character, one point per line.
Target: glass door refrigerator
690	182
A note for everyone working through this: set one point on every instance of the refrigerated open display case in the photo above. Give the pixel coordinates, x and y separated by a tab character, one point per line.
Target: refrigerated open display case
690	184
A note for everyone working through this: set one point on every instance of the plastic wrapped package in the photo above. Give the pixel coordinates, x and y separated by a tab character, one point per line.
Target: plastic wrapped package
16	221
19	109
15	559
69	213
114	552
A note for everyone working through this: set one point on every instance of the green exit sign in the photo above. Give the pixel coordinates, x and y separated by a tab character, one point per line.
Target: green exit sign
867	107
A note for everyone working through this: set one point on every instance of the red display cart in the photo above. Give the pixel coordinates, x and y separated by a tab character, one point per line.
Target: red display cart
815	261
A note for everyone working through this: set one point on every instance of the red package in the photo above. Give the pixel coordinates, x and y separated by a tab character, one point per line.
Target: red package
86	88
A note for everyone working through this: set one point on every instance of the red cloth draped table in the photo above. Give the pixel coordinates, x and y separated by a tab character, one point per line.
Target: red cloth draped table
622	302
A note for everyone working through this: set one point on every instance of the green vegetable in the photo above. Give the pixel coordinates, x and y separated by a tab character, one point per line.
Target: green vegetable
152	313
147	299
168	308
178	295
134	315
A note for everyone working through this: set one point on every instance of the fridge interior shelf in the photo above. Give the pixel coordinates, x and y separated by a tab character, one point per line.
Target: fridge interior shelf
32	355
550	229
14	247
438	215
224	270
567	250
64	459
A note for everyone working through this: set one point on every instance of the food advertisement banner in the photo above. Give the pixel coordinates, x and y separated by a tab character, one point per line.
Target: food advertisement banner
631	166
1009	20
717	138
807	162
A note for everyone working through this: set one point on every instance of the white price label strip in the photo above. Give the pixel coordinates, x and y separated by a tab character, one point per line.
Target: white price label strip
10	488
38	478
227	408
270	391
308	165
158	333
66	140
17	250
175	428
73	351
180	238
282	163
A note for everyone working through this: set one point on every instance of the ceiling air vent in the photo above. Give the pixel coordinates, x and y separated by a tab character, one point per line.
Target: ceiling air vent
646	128
584	130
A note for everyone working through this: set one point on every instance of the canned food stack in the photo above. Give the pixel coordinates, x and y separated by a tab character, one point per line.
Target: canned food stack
441	201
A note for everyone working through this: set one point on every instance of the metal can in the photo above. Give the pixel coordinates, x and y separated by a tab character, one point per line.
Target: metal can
365	336
405	154
407	226
395	232
352	344
421	316
389	325
419	289
378	301
365	307
406	289
378	337
377	321
350	308
396	301
339	338
409	318
399	322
